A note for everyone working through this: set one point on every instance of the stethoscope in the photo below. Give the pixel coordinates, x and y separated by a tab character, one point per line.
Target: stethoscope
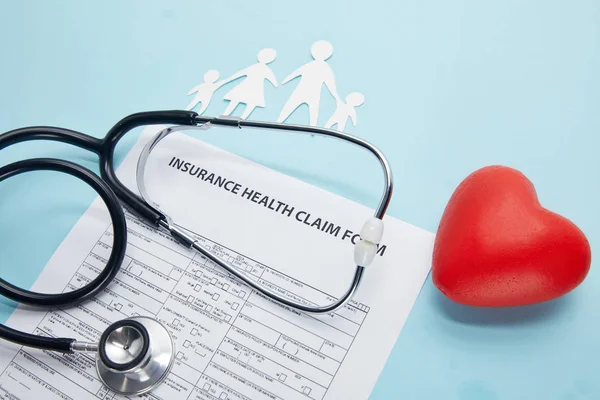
134	355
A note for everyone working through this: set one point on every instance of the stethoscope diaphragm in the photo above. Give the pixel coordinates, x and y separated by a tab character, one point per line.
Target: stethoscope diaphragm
134	355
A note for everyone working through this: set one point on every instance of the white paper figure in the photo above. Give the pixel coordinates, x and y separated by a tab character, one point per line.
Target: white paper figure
251	91
346	110
312	77
205	91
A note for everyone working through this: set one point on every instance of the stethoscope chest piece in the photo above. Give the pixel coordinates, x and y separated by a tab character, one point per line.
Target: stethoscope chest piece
134	355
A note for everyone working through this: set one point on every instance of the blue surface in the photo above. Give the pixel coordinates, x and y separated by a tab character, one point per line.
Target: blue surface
449	87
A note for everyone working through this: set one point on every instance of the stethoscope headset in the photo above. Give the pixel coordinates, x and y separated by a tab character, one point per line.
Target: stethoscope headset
134	355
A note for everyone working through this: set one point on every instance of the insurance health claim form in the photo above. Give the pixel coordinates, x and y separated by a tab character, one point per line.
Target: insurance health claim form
231	342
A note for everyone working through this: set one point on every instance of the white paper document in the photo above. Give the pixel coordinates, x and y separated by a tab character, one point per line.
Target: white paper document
231	342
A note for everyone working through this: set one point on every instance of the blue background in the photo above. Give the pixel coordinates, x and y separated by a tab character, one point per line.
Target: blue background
450	86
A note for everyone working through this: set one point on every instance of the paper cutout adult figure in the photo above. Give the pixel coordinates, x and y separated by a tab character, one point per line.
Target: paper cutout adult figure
205	91
346	110
251	91
313	76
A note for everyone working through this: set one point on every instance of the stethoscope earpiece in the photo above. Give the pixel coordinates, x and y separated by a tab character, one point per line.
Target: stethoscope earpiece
134	355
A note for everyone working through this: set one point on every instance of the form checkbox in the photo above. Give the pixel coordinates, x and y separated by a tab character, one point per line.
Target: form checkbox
206	387
215	296
118	306
230	260
248	268
242	294
227	317
194	332
179	355
209	308
197	287
282	377
235	306
225	286
223	396
186	344
175	322
306	390
191	298
198	273
214	281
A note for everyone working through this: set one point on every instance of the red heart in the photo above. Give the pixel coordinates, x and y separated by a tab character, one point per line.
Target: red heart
497	246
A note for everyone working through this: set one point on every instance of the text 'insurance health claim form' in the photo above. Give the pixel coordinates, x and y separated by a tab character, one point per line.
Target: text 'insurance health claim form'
231	342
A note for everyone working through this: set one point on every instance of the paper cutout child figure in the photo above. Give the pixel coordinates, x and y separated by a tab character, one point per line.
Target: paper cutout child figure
205	91
251	91
313	76
345	111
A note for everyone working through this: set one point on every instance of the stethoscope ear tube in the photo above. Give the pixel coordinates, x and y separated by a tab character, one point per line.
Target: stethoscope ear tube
92	288
107	149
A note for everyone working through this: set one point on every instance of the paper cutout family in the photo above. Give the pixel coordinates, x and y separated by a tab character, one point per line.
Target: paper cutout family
251	90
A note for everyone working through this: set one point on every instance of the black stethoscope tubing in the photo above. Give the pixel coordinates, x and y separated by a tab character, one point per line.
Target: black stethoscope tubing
105	149
110	189
92	288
